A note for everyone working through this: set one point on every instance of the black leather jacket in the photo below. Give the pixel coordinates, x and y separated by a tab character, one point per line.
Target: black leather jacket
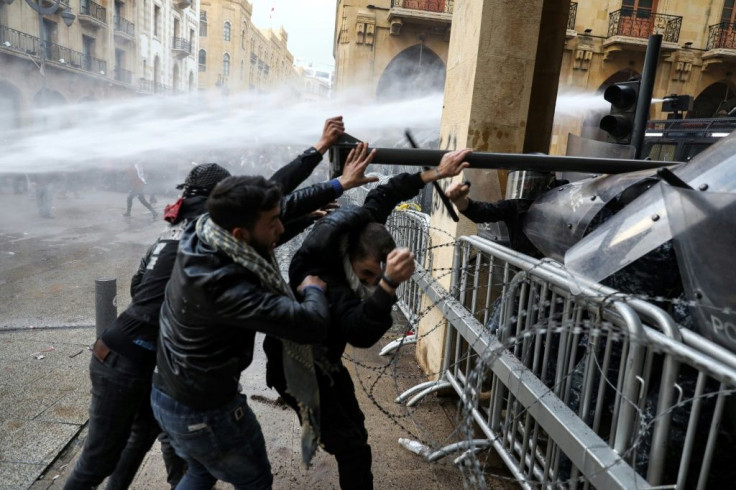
210	315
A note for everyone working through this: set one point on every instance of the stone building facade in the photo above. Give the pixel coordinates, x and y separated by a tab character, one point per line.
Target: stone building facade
391	46
235	56
109	50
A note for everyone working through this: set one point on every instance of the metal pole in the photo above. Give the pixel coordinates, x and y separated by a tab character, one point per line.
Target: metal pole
646	88
515	161
106	305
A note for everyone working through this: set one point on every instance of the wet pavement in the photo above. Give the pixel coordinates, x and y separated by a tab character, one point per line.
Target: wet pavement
47	272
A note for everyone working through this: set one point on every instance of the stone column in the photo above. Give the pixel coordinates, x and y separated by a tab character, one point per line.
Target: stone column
490	75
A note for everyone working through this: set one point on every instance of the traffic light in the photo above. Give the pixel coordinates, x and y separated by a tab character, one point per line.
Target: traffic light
620	122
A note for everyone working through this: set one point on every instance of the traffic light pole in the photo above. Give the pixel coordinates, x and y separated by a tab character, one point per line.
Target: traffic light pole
644	101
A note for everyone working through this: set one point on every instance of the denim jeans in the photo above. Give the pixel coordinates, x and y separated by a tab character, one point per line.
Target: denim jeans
121	425
225	443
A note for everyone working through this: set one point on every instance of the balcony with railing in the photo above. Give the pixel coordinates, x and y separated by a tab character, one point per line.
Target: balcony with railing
92	14
181	47
721	45
632	28
431	13
124	29
54	54
123	75
182	4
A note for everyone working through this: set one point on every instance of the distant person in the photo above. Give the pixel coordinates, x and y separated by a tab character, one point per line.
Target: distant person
356	256
137	186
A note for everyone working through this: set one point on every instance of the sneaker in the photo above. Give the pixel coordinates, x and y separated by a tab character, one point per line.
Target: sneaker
126	214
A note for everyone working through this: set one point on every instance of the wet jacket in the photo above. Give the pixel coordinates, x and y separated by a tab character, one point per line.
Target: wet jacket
134	332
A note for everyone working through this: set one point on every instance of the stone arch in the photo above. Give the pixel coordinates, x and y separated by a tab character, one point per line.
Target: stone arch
593	117
718	97
10	103
51	111
414	72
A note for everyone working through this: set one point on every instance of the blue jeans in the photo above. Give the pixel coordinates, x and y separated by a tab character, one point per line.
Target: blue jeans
225	443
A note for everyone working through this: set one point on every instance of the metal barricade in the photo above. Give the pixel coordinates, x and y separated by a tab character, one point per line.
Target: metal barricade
571	381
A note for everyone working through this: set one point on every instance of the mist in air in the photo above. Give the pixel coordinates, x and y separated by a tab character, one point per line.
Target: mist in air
193	128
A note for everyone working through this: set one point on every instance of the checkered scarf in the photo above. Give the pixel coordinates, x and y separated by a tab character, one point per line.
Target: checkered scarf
298	360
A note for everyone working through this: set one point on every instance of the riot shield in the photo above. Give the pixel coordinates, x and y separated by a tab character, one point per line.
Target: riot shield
643	225
703	226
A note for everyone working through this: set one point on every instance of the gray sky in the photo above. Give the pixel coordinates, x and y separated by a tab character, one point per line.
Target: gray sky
309	23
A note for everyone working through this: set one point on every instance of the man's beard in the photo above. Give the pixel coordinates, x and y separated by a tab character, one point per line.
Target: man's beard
363	291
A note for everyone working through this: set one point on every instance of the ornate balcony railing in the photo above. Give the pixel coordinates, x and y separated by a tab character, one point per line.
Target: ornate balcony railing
572	17
124	25
643	23
122	75
439	6
181	44
53	53
722	36
92	9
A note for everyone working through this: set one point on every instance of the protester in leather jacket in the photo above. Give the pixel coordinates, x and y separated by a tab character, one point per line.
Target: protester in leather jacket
121	427
347	249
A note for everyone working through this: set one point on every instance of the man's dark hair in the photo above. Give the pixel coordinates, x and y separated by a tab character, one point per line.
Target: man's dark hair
373	240
237	202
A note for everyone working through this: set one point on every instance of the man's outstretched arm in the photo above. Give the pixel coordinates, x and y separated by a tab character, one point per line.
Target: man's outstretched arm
294	173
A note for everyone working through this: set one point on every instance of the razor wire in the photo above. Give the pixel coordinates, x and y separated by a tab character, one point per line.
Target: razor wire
472	465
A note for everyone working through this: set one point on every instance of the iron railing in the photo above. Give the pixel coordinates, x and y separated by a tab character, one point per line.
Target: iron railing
202	67
53	53
125	26
123	75
572	17
439	6
643	23
19	41
722	36
88	7
181	44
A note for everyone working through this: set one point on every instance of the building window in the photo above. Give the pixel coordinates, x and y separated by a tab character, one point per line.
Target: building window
227	31
203	24
226	65
156	19
727	14
202	60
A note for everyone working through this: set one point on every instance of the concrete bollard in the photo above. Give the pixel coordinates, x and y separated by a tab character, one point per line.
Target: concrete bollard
106	303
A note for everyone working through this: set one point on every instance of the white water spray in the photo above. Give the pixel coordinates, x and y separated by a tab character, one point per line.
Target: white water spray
173	130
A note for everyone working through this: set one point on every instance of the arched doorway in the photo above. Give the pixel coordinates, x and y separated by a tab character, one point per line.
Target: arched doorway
716	100
9	107
591	129
51	110
415	72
